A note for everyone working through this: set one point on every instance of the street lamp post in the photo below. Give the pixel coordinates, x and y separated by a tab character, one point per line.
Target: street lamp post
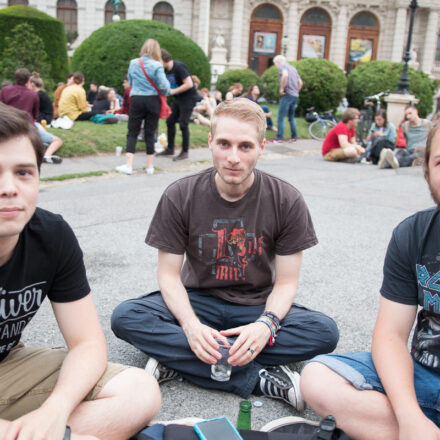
404	78
116	9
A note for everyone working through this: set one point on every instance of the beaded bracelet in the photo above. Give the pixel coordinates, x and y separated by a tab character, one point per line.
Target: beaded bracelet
272	329
274	318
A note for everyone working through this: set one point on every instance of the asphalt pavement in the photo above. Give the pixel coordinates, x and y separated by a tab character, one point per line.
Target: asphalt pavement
354	208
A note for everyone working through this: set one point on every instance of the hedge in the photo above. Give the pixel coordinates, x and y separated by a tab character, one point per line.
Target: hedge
324	86
246	77
105	55
376	76
49	29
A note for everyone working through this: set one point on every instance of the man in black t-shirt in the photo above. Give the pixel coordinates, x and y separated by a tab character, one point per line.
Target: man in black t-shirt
47	393
241	233
185	97
391	392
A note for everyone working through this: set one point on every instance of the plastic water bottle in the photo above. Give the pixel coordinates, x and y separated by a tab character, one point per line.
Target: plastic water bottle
244	415
44	123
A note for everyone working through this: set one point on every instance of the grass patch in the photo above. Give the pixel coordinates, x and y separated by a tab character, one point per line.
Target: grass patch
87	138
73	176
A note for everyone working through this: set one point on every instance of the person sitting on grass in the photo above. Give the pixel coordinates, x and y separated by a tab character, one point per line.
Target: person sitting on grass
252	93
123	112
382	135
340	142
392	392
54	393
45	109
234	91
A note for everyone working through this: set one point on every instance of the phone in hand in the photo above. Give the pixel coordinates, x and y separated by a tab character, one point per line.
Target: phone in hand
219	428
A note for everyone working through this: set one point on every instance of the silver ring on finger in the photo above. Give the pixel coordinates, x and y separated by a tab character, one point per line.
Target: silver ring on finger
251	351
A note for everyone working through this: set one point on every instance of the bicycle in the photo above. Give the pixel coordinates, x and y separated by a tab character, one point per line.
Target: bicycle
373	103
320	124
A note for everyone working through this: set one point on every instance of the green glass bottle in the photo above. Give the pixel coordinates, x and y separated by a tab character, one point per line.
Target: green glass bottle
244	416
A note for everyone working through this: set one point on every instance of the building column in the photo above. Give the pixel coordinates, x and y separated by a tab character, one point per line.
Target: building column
399	35
430	42
203	25
235	62
292	31
339	43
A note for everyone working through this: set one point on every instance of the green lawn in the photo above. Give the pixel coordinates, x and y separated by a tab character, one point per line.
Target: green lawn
90	138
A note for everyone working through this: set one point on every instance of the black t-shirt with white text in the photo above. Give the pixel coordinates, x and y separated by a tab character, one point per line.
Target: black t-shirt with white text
47	261
412	276
176	76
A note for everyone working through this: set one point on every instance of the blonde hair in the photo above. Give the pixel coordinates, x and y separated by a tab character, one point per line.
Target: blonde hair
152	49
244	110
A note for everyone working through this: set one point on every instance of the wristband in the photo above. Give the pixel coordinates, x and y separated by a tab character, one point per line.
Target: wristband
271	328
67	433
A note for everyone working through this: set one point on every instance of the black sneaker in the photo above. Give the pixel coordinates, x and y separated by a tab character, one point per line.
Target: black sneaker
166	152
159	371
280	382
181	156
291	425
52	159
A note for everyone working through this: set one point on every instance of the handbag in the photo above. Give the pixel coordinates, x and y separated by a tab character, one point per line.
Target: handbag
165	109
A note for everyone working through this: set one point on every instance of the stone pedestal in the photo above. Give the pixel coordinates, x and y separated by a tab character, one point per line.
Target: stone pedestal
396	106
218	63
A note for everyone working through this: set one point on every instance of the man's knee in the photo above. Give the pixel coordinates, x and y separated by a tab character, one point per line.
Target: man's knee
120	317
329	333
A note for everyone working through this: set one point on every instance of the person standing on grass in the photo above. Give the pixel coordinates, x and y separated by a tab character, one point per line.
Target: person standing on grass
144	102
290	86
185	97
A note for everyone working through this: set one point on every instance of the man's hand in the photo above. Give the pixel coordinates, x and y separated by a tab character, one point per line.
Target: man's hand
202	340
282	91
172	92
418	427
47	422
359	149
251	340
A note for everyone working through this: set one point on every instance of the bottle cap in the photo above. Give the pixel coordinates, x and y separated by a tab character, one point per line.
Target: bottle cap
245	405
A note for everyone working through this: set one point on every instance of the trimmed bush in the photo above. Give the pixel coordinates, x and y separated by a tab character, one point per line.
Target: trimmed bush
24	49
376	76
324	86
105	55
246	77
49	29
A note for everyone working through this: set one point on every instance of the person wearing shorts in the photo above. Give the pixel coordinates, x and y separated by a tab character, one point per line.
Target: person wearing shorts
48	393
393	392
340	142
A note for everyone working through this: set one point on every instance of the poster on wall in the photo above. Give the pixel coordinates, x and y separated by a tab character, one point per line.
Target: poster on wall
265	43
360	50
313	46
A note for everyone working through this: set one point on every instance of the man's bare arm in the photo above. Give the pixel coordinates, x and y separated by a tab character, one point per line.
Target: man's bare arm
283	81
186	85
394	365
201	338
256	335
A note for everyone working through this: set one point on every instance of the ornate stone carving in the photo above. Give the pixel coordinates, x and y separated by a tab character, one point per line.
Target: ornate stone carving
219	39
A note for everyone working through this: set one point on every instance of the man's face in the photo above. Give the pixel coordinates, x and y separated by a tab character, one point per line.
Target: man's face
19	180
235	151
125	84
434	169
411	114
93	87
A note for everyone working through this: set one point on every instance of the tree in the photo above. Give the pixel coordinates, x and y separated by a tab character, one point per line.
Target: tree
24	48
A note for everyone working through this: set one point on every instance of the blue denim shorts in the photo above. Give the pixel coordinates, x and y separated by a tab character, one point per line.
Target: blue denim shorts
359	370
46	137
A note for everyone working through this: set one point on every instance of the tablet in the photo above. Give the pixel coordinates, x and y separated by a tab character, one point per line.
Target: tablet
217	429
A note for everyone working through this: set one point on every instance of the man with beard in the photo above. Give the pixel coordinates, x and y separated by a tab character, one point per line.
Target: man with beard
393	393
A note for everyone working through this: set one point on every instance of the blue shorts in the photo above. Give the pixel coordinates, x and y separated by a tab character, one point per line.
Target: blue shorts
46	137
359	370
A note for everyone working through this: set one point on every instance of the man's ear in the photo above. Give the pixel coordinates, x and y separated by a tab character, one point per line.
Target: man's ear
210	140
263	145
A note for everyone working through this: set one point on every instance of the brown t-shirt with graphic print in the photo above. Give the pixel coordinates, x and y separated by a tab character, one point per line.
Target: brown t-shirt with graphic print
230	247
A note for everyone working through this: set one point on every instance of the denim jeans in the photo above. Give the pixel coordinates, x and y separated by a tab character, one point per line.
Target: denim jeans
359	370
287	108
147	323
269	121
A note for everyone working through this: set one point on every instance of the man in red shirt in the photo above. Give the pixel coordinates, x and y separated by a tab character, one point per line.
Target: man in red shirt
340	142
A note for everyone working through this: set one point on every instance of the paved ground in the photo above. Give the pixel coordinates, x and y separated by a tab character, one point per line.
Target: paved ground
354	209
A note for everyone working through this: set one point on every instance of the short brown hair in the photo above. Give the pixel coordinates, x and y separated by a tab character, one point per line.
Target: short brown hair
36	80
22	76
429	141
166	56
152	48
78	77
350	114
15	123
243	109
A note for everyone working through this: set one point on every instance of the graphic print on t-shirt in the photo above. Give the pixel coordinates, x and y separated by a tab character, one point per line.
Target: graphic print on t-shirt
229	249
426	341
17	308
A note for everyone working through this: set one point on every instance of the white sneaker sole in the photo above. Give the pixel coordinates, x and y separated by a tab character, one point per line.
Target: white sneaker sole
151	367
295	378
285	421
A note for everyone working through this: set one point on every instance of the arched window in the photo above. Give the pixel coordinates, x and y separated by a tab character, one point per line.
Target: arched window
437	51
67	12
363	36
268	12
109	12
18	2
163	12
314	34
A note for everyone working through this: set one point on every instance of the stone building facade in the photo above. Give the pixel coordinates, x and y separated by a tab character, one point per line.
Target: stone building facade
248	33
